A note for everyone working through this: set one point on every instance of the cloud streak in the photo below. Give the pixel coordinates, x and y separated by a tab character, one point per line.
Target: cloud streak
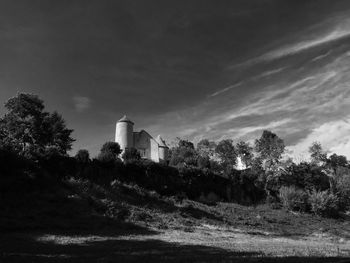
334	35
339	30
225	89
322	56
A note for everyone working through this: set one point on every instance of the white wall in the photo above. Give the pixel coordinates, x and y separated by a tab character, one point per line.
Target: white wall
124	135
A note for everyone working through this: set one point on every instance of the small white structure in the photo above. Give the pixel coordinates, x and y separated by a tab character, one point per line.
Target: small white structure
149	148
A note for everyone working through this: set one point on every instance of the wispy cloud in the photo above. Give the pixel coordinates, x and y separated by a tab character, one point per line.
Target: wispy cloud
340	29
303	45
294	107
334	137
296	95
322	56
301	101
245	131
270	72
81	103
225	89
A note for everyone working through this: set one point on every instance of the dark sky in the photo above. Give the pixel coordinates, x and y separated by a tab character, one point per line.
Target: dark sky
189	69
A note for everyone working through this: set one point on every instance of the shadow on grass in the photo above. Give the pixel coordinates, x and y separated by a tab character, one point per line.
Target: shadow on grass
78	225
134	198
73	216
198	213
109	249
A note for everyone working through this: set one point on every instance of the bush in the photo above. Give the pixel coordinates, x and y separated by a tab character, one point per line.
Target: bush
246	188
342	187
131	154
293	198
306	176
107	158
59	166
273	202
82	156
324	203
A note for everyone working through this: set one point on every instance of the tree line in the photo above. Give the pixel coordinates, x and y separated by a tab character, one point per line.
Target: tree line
34	141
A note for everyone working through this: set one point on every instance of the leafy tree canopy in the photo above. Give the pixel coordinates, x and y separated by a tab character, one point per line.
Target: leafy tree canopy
206	148
245	152
318	155
186	144
184	154
227	153
335	161
32	132
109	152
111	147
269	147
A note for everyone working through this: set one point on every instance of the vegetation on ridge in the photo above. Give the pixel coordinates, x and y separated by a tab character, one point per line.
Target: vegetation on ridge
201	193
34	142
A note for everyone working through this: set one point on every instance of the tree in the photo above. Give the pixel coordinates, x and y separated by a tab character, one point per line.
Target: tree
184	154
269	147
30	131
206	148
227	153
335	161
131	154
186	144
318	155
82	156
109	152
203	162
55	134
111	147
245	153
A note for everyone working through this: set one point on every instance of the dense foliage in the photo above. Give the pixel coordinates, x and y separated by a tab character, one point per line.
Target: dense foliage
293	198
28	130
324	203
34	144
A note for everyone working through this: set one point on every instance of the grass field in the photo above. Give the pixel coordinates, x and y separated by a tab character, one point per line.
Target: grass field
88	223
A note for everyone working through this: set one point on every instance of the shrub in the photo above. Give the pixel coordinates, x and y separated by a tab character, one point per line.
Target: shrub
82	156
59	166
131	154
246	188
273	202
107	158
342	187
293	198
324	203
305	175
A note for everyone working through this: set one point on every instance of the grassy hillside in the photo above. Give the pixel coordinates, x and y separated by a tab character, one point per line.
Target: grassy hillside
79	221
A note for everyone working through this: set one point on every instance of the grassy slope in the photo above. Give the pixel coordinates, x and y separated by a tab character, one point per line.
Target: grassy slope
83	221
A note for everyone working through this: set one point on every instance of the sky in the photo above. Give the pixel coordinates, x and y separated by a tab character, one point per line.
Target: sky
192	69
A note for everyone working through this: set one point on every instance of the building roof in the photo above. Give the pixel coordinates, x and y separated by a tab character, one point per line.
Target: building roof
161	142
125	119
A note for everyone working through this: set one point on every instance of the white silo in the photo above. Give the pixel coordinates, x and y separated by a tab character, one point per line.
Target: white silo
124	133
